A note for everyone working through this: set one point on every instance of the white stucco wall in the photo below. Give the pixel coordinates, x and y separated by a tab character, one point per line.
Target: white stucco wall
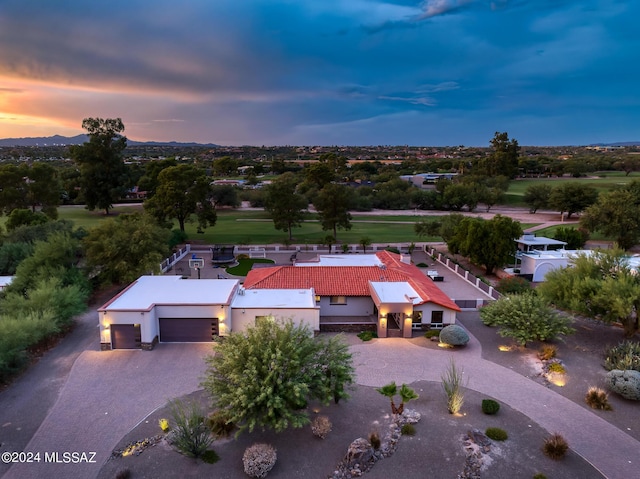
240	320
356	306
448	315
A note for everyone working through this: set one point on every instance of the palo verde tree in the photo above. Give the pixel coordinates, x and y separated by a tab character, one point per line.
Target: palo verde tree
490	243
332	204
265	376
600	285
537	196
183	191
103	175
119	250
286	207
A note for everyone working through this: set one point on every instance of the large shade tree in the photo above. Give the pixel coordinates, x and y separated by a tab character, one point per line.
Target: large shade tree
103	173
490	243
183	191
286	207
332	204
572	198
119	250
264	377
616	214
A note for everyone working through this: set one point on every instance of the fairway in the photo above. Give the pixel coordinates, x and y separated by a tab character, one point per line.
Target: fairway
604	181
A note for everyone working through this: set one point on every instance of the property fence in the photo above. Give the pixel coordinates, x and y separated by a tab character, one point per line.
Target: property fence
168	263
464	273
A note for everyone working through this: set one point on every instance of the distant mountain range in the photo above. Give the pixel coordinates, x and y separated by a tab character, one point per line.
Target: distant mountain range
57	140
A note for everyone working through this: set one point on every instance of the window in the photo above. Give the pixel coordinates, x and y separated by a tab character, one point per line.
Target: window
338	300
416	321
436	319
317	298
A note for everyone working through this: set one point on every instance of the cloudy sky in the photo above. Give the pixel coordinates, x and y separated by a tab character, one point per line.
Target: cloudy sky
324	72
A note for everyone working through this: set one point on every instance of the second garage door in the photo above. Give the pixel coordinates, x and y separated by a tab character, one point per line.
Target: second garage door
188	330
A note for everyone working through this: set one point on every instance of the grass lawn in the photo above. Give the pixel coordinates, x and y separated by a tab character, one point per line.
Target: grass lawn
255	227
604	181
245	264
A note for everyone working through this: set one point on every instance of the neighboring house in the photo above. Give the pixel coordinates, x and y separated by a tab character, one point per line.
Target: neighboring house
5	281
530	242
171	309
382	291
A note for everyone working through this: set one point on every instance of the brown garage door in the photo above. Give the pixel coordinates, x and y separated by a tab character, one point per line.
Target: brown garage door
125	336
188	330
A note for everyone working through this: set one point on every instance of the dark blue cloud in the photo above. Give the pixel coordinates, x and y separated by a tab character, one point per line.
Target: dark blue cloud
269	71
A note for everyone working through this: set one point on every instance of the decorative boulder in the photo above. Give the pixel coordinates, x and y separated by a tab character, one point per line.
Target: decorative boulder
626	383
454	335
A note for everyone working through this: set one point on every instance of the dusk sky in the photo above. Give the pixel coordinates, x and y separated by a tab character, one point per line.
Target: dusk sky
324	72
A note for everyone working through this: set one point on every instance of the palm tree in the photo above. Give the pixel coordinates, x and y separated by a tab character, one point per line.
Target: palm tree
406	394
364	242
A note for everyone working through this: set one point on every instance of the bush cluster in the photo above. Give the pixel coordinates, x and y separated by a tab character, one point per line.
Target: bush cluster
513	285
556	368
219	423
191	436
454	335
598	399
259	459
625	355
490	406
374	440
555	447
321	426
367	335
496	434
432	333
408	429
547	352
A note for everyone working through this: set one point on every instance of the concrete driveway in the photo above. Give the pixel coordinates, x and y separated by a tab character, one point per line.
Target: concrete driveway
106	395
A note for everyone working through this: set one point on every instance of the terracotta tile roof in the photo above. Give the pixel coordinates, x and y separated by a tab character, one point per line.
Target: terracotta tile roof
349	280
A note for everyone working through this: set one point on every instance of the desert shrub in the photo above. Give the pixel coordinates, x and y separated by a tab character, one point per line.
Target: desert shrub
454	335
555	446
547	352
164	425
219	423
513	285
452	380
598	399
432	333
539	476
190	433
123	473
367	335
210	456
525	318
496	434
321	426
489	406
626	383
408	430
374	440
422	265
556	368
242	256
624	356
259	459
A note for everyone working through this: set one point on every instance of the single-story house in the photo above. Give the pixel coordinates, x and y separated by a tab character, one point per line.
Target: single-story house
171	309
382	291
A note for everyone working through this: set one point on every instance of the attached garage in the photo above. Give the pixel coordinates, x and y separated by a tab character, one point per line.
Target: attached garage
188	330
125	336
